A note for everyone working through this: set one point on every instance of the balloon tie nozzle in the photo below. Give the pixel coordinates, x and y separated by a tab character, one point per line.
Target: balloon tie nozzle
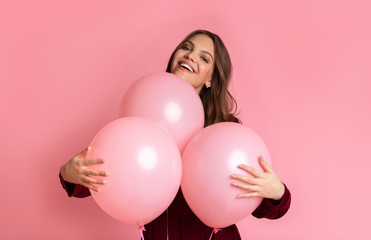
142	229
215	230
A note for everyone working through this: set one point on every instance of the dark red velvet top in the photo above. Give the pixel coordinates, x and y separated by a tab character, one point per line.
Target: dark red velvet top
178	222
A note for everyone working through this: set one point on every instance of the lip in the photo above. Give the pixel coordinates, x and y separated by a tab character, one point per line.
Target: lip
190	65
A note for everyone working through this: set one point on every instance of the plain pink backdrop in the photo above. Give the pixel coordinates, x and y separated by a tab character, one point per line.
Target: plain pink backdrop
301	77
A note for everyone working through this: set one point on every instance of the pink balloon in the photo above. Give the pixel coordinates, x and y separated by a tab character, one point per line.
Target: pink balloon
209	159
168	100
144	166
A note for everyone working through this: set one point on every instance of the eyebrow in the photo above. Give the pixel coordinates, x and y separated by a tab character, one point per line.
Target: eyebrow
204	51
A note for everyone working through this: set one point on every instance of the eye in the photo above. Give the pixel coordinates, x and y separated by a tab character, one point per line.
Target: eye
204	59
186	48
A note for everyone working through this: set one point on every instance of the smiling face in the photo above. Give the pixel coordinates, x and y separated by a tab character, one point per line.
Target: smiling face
194	61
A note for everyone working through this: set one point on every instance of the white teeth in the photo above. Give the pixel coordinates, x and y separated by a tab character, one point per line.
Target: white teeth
186	66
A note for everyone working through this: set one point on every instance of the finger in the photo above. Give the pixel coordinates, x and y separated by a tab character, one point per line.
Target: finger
247	195
92	161
264	165
84	152
90	180
251	170
247	187
88	150
95	172
92	187
250	180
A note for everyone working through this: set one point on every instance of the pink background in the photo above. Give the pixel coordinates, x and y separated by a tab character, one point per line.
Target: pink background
302	78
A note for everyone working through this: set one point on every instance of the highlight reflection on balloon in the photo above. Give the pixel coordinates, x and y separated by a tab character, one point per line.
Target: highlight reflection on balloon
173	112
147	158
236	158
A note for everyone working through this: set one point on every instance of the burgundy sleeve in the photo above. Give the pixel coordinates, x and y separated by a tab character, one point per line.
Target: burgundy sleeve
74	190
273	209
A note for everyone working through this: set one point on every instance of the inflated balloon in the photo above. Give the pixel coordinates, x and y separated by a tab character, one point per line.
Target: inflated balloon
144	166
209	160
168	100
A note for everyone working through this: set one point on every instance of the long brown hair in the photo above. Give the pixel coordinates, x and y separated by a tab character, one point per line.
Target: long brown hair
219	105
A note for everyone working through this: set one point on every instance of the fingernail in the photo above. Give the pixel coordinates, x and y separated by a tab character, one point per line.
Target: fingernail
234	175
234	184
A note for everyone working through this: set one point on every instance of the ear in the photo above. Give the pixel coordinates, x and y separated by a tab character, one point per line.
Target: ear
208	83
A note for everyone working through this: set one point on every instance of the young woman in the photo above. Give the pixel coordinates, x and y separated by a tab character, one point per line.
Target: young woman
202	60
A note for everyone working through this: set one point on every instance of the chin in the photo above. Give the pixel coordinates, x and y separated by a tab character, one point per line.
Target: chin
180	74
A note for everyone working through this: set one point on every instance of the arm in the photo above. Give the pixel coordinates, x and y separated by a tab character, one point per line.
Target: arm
74	190
266	184
273	209
77	177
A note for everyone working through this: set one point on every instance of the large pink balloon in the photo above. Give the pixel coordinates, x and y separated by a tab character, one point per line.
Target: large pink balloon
144	166
168	100
209	160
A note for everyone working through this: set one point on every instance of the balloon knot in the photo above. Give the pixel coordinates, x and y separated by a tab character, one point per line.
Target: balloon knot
217	230
142	228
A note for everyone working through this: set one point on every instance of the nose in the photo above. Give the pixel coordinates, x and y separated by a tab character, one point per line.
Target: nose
189	56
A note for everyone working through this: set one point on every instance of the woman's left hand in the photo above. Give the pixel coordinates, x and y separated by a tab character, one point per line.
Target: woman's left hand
264	183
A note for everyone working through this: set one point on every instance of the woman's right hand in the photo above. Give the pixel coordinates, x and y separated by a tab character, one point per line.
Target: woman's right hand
77	171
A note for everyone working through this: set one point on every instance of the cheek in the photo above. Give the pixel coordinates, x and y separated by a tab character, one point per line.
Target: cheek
207	71
173	66
174	61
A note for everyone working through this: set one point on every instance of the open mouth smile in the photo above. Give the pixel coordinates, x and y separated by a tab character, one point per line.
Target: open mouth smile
187	67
